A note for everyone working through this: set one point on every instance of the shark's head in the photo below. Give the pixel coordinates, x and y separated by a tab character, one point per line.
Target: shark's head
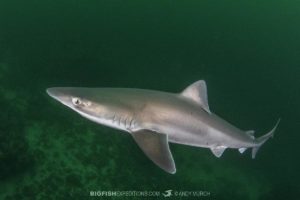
98	105
71	97
78	99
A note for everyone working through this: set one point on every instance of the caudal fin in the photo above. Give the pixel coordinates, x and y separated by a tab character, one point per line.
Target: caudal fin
261	140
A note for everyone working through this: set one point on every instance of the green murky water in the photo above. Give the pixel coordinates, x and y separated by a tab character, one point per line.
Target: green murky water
248	52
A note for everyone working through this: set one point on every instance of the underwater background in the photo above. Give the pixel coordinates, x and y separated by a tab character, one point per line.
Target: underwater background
247	51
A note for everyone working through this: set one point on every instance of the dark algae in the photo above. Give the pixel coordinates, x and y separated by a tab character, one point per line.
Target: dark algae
247	52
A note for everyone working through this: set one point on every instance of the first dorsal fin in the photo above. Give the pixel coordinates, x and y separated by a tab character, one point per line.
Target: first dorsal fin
198	93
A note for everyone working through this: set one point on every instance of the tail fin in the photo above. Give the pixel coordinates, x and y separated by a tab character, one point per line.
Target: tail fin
261	140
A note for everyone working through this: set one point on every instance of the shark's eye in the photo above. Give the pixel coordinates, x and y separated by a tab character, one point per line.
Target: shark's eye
76	101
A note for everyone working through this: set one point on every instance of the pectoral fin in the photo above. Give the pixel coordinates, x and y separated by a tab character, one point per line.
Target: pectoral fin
156	147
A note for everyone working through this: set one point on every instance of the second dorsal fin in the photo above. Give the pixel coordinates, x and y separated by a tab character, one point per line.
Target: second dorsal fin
250	133
198	93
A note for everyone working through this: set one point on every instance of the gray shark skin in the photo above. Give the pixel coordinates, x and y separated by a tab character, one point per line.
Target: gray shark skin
155	118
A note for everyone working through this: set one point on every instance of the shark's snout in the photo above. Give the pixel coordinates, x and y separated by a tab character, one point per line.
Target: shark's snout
49	91
57	93
53	92
62	94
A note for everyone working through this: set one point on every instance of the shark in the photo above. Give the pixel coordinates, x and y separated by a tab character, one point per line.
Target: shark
156	118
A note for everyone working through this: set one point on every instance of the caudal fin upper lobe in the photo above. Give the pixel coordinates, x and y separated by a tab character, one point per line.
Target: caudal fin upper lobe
261	140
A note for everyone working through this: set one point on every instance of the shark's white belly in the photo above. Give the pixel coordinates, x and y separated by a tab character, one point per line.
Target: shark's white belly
200	137
207	137
124	122
199	129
